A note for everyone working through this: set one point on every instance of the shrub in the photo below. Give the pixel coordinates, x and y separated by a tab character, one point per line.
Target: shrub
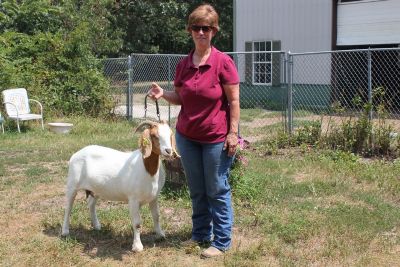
55	57
65	76
352	134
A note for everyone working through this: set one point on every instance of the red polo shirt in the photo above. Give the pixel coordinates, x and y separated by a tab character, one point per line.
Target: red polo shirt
204	115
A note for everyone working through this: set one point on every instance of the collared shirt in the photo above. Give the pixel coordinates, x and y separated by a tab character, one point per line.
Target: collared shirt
204	115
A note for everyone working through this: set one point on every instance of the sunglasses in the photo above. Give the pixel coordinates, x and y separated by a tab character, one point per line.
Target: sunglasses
197	28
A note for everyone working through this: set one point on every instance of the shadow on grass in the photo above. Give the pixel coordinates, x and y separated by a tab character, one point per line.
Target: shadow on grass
106	243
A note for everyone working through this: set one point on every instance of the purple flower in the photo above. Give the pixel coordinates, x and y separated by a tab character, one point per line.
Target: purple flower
243	143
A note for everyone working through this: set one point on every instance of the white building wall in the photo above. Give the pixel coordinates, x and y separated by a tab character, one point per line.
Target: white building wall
368	22
300	25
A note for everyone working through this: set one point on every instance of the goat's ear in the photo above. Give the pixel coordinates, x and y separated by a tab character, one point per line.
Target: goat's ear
145	143
173	144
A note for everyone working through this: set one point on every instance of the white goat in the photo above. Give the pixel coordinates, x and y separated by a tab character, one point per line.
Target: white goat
134	177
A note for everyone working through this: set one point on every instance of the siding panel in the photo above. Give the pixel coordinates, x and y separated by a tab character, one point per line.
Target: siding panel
369	22
300	25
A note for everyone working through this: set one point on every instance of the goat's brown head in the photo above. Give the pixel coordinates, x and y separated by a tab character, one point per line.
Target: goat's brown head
157	138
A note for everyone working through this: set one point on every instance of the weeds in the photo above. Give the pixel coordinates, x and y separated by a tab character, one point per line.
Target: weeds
240	163
353	134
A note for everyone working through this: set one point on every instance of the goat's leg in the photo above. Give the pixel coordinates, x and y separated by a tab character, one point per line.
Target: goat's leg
134	210
156	218
93	215
70	197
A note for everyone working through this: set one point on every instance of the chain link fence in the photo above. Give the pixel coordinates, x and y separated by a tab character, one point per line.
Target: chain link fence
131	78
342	84
277	89
117	72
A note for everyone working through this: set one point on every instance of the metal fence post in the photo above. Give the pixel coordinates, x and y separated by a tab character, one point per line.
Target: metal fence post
236	60
169	86
129	90
284	74
369	81
290	92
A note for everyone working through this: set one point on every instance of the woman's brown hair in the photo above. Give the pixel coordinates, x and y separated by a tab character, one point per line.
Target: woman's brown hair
204	14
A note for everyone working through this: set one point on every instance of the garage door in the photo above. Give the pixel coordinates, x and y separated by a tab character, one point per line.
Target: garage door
368	22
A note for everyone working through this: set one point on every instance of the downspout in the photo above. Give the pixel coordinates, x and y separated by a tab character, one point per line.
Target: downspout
334	56
234	27
334	24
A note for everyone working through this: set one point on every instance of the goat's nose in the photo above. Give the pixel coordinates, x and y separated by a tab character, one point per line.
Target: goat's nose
168	151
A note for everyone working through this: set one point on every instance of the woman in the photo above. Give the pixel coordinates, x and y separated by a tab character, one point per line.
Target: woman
207	88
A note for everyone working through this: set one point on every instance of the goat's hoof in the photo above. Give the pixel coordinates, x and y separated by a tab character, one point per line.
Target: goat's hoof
137	248
160	235
65	233
97	226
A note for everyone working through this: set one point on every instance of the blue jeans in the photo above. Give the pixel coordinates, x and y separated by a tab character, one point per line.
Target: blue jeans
207	171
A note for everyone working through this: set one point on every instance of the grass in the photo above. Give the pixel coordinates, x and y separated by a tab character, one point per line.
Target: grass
294	207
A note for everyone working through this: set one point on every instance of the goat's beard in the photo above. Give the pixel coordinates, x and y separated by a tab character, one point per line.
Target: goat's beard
169	158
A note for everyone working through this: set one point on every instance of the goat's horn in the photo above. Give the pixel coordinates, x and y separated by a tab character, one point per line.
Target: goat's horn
144	125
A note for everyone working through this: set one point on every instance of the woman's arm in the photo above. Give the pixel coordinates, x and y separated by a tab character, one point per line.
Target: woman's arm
172	97
232	94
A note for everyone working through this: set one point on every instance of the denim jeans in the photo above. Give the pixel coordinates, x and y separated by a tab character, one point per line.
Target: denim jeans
207	171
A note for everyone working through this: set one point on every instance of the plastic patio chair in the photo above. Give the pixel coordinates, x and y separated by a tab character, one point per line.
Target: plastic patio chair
17	106
2	122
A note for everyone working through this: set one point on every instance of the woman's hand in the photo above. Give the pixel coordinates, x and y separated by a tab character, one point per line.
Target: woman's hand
155	91
231	143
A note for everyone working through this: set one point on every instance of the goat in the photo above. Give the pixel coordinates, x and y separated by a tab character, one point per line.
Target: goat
135	177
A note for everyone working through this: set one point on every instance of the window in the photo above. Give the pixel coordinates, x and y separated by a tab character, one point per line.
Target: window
262	62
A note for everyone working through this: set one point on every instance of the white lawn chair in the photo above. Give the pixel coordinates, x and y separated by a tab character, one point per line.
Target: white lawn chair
17	106
2	122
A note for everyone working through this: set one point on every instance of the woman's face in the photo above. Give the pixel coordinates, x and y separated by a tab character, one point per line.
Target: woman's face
202	34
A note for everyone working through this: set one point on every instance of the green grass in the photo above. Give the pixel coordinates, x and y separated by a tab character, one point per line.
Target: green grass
293	207
248	115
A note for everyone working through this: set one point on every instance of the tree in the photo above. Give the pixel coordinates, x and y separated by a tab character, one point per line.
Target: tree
52	49
29	16
160	26
224	39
